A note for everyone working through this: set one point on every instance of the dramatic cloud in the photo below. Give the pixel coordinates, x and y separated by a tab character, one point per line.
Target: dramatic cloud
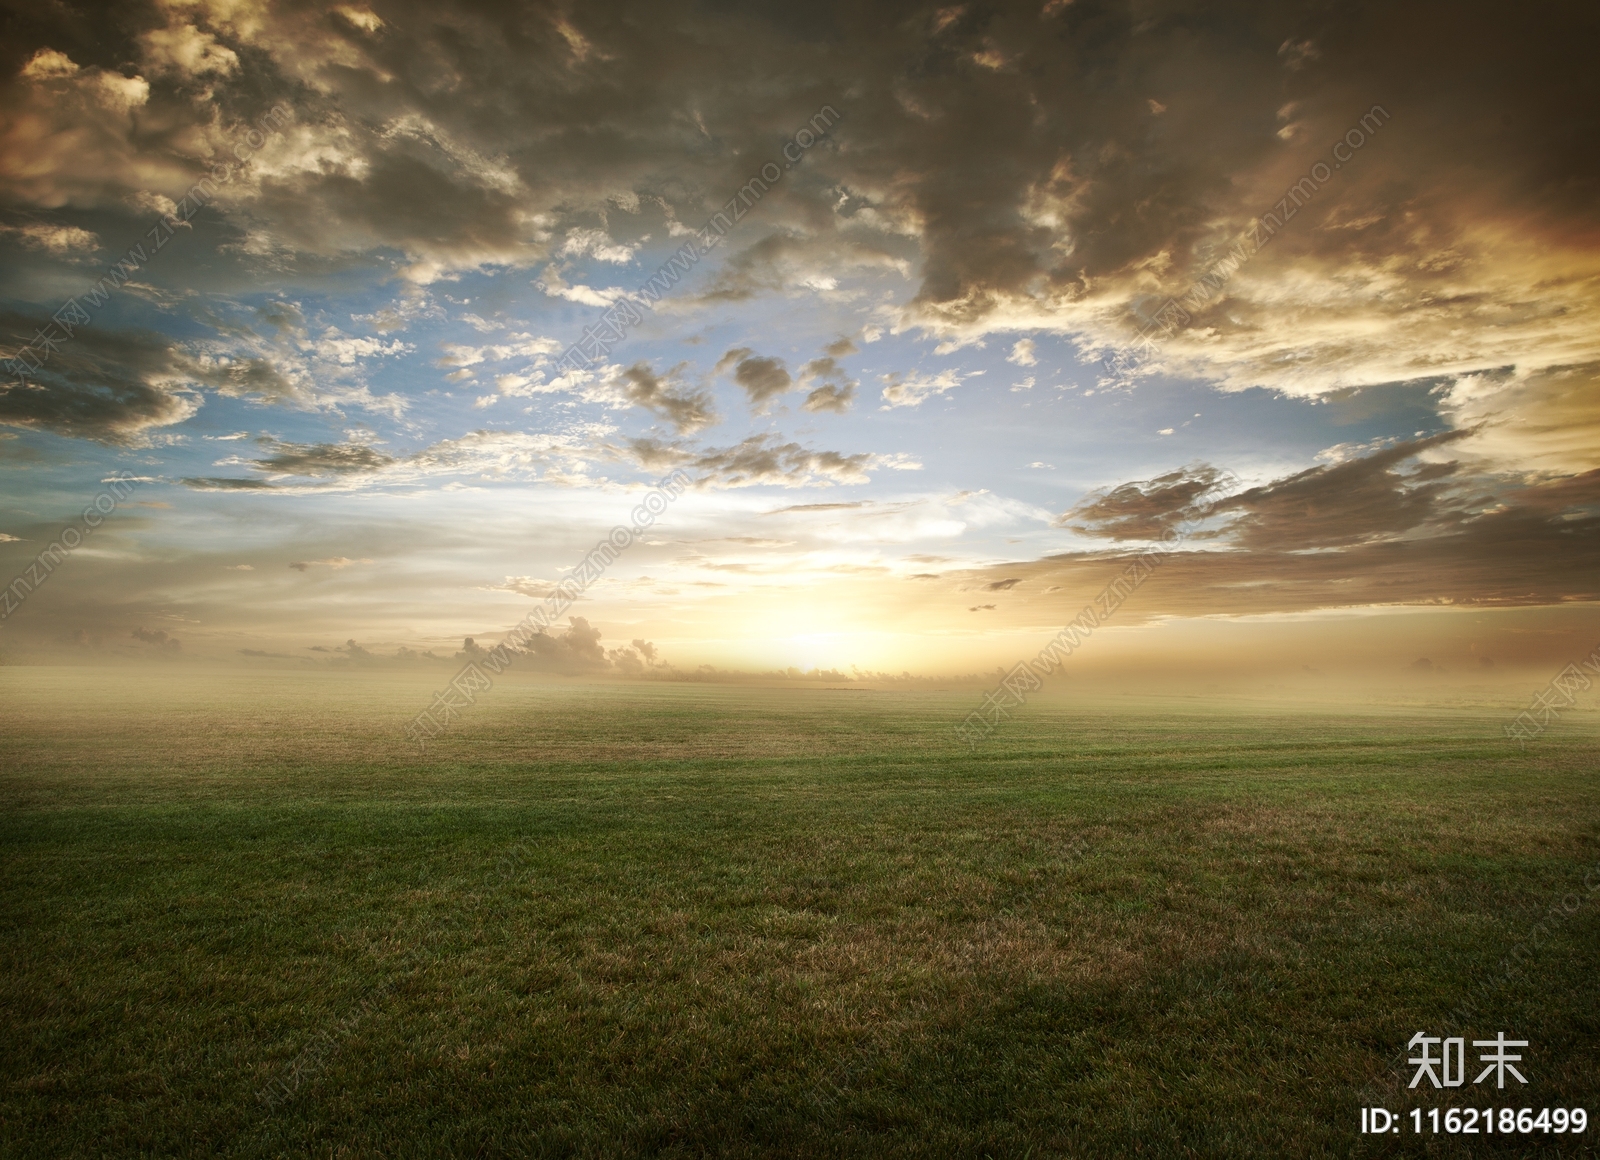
996	152
118	386
1540	421
68	134
111	387
1379	496
1038	238
1393	527
1370	499
1011	155
185	50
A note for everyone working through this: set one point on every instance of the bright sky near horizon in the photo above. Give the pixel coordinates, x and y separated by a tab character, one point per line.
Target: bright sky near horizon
1025	287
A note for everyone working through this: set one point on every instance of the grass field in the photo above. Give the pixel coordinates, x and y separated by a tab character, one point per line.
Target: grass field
685	921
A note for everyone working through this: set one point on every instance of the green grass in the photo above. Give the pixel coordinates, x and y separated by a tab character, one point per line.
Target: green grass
686	921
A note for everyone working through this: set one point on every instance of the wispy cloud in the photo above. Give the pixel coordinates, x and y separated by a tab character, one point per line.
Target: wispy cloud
902	390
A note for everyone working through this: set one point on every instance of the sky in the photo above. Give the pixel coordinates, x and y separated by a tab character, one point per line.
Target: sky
944	313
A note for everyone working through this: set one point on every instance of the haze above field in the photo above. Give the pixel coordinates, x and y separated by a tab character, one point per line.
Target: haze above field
895	383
